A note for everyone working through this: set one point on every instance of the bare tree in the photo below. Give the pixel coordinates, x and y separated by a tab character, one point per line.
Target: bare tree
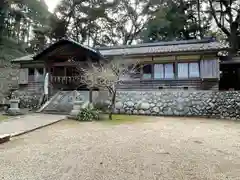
107	76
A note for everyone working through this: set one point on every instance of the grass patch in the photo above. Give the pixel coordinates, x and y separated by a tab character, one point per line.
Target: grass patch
2	118
121	119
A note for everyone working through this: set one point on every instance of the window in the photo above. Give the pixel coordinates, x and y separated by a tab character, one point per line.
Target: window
40	71
182	70
168	69
31	71
158	71
188	70
209	69
163	71
194	69
58	71
72	71
147	71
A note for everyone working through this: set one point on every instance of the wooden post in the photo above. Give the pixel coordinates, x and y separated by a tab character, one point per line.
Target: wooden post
176	68
65	71
91	95
141	71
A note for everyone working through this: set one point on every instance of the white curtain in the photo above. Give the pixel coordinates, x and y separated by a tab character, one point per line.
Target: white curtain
158	71
209	69
194	69
169	74
182	70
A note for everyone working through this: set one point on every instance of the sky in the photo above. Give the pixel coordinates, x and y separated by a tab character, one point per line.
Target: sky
51	4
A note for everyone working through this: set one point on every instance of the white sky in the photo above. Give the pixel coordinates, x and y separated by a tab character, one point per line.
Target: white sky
52	4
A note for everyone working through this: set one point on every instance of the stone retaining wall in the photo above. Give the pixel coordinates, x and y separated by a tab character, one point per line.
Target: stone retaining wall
29	100
180	103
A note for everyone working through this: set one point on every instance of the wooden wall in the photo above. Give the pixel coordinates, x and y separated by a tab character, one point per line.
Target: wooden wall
196	84
208	80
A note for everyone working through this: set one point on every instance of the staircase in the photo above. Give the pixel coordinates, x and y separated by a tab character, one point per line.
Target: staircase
62	102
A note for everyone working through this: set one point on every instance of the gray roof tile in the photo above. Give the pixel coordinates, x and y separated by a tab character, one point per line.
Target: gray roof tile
169	48
149	48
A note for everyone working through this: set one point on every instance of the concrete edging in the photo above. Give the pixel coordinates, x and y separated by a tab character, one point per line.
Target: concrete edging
31	130
4	138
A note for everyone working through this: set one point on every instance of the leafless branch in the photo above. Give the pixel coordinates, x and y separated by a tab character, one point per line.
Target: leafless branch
213	12
106	75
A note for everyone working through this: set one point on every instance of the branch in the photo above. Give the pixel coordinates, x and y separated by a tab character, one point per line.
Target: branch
237	20
213	12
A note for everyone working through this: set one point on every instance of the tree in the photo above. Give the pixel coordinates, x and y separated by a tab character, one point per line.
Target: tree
18	21
79	19
226	14
178	20
106	76
128	19
104	22
20	18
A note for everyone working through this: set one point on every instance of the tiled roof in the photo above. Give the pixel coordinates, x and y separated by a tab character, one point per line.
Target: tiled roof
168	47
141	49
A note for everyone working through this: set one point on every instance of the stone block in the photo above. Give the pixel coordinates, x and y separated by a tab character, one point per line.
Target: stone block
130	104
4	138
76	109
145	106
14	107
119	105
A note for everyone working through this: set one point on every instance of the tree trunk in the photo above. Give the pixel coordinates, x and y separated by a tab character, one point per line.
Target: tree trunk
112	106
233	40
199	19
91	95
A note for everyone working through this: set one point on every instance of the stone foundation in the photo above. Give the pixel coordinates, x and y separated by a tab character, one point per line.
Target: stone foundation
213	104
224	105
29	100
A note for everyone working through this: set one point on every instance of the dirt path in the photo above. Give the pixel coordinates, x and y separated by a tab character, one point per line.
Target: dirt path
158	148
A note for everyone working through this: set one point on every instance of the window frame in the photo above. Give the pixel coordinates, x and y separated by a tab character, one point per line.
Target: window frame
188	65
199	70
31	71
164	72
142	73
175	70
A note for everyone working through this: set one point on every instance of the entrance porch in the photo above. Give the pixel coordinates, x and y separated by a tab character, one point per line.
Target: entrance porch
63	62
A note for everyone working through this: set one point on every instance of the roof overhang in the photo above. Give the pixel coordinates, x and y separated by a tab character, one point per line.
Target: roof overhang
197	46
24	59
68	49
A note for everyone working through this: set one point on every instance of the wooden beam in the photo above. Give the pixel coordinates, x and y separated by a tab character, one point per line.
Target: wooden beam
70	64
209	57
189	57
163	59
32	65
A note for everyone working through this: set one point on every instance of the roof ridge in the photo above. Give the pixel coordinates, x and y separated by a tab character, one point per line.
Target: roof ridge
162	43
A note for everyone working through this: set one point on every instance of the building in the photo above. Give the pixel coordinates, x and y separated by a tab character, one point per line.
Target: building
192	64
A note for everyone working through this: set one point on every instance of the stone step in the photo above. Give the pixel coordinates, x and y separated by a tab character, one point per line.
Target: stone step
62	102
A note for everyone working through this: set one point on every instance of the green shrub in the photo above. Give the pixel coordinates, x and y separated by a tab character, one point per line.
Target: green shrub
89	114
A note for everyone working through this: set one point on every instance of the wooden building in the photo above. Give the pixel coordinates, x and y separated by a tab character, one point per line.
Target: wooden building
192	64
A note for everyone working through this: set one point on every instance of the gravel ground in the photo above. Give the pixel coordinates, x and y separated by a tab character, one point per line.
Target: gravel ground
157	148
